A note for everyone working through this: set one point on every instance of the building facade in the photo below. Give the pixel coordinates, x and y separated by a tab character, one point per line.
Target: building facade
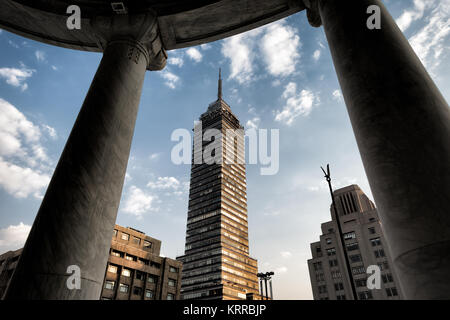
8	263
365	245
136	271
216	263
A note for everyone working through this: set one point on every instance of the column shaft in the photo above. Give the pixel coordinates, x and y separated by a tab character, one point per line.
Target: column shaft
402	127
75	221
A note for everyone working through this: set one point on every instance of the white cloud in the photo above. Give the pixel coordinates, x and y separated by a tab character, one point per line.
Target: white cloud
23	159
176	61
40	56
316	55
205	46
286	254
13	44
17	77
430	42
22	181
154	156
280	270
410	15
172	80
297	104
239	50
253	123
138	202
337	95
163	183
280	48
14	237
51	131
54	68
194	54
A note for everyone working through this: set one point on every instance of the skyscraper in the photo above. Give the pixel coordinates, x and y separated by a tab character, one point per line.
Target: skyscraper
216	263
365	245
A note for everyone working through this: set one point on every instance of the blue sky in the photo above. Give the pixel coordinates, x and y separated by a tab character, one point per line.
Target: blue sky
276	77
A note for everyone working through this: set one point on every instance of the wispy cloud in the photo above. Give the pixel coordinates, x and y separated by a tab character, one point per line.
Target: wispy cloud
194	54
296	104
139	202
24	164
41	56
13	237
171	79
17	77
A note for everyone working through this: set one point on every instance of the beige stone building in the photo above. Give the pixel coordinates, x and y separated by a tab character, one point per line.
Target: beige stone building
136	271
365	245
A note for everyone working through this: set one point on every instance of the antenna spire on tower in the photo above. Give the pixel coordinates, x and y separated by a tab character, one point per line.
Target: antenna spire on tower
219	91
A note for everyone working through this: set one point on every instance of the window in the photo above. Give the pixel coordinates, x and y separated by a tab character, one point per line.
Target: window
173	269
336	274
117	253
387	278
136	240
391	292
320	277
125	236
355	258
130	258
322	289
137	291
360	283
331	252
155	265
352	246
341	297
372	230
149	294
109	285
328	240
112	269
366	295
349	235
170	296
319	251
375	242
379	253
143	261
126	272
358	270
147	244
123	288
115	233
171	283
333	263
139	275
317	266
339	286
151	279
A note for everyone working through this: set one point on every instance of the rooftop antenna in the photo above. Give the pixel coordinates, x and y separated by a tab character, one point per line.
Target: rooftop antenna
219	92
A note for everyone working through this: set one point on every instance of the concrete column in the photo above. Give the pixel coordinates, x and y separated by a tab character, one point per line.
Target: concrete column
75	221
402	127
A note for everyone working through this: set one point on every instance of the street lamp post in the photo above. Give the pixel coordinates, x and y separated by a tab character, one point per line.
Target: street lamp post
340	236
266	277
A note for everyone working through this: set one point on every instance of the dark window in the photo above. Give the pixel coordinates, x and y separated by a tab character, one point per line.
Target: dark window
352	246
371	230
136	241
375	242
349	235
331	252
149	294
137	291
170	296
333	263
123	288
139	275
355	258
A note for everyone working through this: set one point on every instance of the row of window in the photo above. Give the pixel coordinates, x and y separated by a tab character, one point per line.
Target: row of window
124	288
130	257
135	240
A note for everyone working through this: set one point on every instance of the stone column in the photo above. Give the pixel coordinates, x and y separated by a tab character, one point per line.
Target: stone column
75	222
402	127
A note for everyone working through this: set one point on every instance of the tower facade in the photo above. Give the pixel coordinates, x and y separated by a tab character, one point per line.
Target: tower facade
365	246
216	263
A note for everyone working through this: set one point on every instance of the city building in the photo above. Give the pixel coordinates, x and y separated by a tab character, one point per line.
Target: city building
365	245
136	271
8	263
216	263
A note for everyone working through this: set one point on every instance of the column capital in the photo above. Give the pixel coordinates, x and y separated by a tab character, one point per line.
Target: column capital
312	12
140	31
